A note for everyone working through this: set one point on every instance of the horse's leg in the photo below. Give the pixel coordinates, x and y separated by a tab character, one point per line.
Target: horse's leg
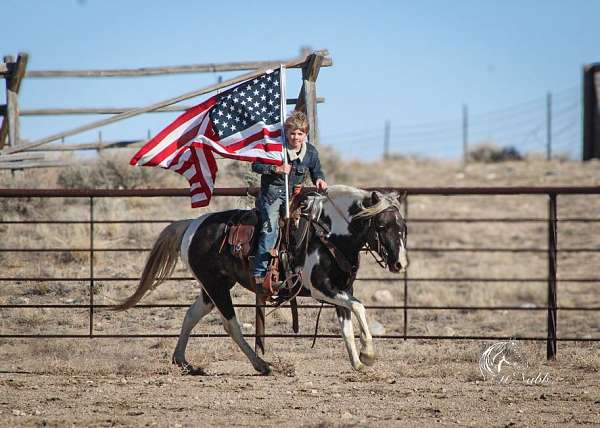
345	318
201	307
343	301
232	327
367	352
346	300
222	298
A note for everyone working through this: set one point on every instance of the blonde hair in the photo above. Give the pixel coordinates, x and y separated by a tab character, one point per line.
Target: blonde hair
297	120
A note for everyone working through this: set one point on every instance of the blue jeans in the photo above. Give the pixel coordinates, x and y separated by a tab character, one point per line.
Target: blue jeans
268	207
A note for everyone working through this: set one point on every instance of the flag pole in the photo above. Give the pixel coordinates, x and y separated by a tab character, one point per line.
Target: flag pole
282	115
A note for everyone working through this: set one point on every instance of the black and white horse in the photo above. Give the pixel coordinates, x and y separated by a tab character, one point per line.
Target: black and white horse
336	227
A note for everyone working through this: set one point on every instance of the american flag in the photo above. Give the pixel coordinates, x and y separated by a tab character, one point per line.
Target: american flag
241	123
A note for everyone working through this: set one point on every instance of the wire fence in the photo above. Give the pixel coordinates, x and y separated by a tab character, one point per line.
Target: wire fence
551	251
549	125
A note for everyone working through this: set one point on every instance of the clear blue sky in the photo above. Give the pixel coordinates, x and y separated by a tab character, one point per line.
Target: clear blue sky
413	63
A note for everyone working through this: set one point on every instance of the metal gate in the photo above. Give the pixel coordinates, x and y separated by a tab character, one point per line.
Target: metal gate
552	249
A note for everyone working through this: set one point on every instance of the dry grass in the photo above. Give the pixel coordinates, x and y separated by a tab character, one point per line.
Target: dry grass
586	358
112	171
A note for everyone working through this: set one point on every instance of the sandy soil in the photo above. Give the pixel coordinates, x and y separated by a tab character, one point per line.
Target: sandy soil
411	383
130	382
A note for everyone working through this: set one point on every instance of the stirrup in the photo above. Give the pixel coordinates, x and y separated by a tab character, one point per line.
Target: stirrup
281	296
271	288
276	287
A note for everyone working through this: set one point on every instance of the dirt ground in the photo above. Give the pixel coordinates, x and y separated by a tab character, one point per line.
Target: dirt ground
412	383
130	382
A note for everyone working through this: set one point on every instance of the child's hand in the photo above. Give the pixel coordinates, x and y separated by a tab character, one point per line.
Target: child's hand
283	169
321	184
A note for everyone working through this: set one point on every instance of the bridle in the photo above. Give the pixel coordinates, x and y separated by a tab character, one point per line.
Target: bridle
374	235
379	250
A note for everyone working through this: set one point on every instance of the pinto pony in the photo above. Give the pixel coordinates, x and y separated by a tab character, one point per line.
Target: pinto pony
329	236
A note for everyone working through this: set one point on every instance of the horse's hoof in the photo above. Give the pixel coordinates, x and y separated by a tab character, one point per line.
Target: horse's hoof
189	370
264	369
367	359
193	371
359	367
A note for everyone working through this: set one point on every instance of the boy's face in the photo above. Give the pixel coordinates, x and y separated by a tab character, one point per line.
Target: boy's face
295	138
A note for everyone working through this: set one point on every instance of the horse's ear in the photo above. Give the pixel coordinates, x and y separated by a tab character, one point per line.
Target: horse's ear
402	197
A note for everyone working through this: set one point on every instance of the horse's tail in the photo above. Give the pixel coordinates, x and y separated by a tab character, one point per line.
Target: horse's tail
160	263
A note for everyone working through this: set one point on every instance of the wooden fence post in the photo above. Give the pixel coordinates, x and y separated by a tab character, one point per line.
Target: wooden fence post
8	61
591	112
14	77
307	100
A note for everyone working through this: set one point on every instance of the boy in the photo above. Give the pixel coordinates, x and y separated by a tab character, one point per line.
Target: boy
302	158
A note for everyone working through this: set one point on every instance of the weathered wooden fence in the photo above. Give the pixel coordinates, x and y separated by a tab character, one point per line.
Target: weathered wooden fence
15	152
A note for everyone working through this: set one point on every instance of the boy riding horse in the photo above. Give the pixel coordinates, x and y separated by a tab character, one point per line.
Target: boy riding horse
302	158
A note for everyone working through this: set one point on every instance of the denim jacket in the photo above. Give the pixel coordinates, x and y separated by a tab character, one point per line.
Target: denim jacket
272	184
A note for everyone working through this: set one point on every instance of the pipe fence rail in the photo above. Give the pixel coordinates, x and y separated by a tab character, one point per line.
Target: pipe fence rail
552	250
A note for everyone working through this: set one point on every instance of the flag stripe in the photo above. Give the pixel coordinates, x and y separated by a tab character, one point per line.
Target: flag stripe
182	119
176	139
251	139
241	123
212	163
201	173
172	158
257	127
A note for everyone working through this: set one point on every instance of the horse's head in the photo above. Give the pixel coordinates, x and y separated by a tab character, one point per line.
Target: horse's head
385	229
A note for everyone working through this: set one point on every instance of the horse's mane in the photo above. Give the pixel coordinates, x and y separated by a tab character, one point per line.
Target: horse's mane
387	200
